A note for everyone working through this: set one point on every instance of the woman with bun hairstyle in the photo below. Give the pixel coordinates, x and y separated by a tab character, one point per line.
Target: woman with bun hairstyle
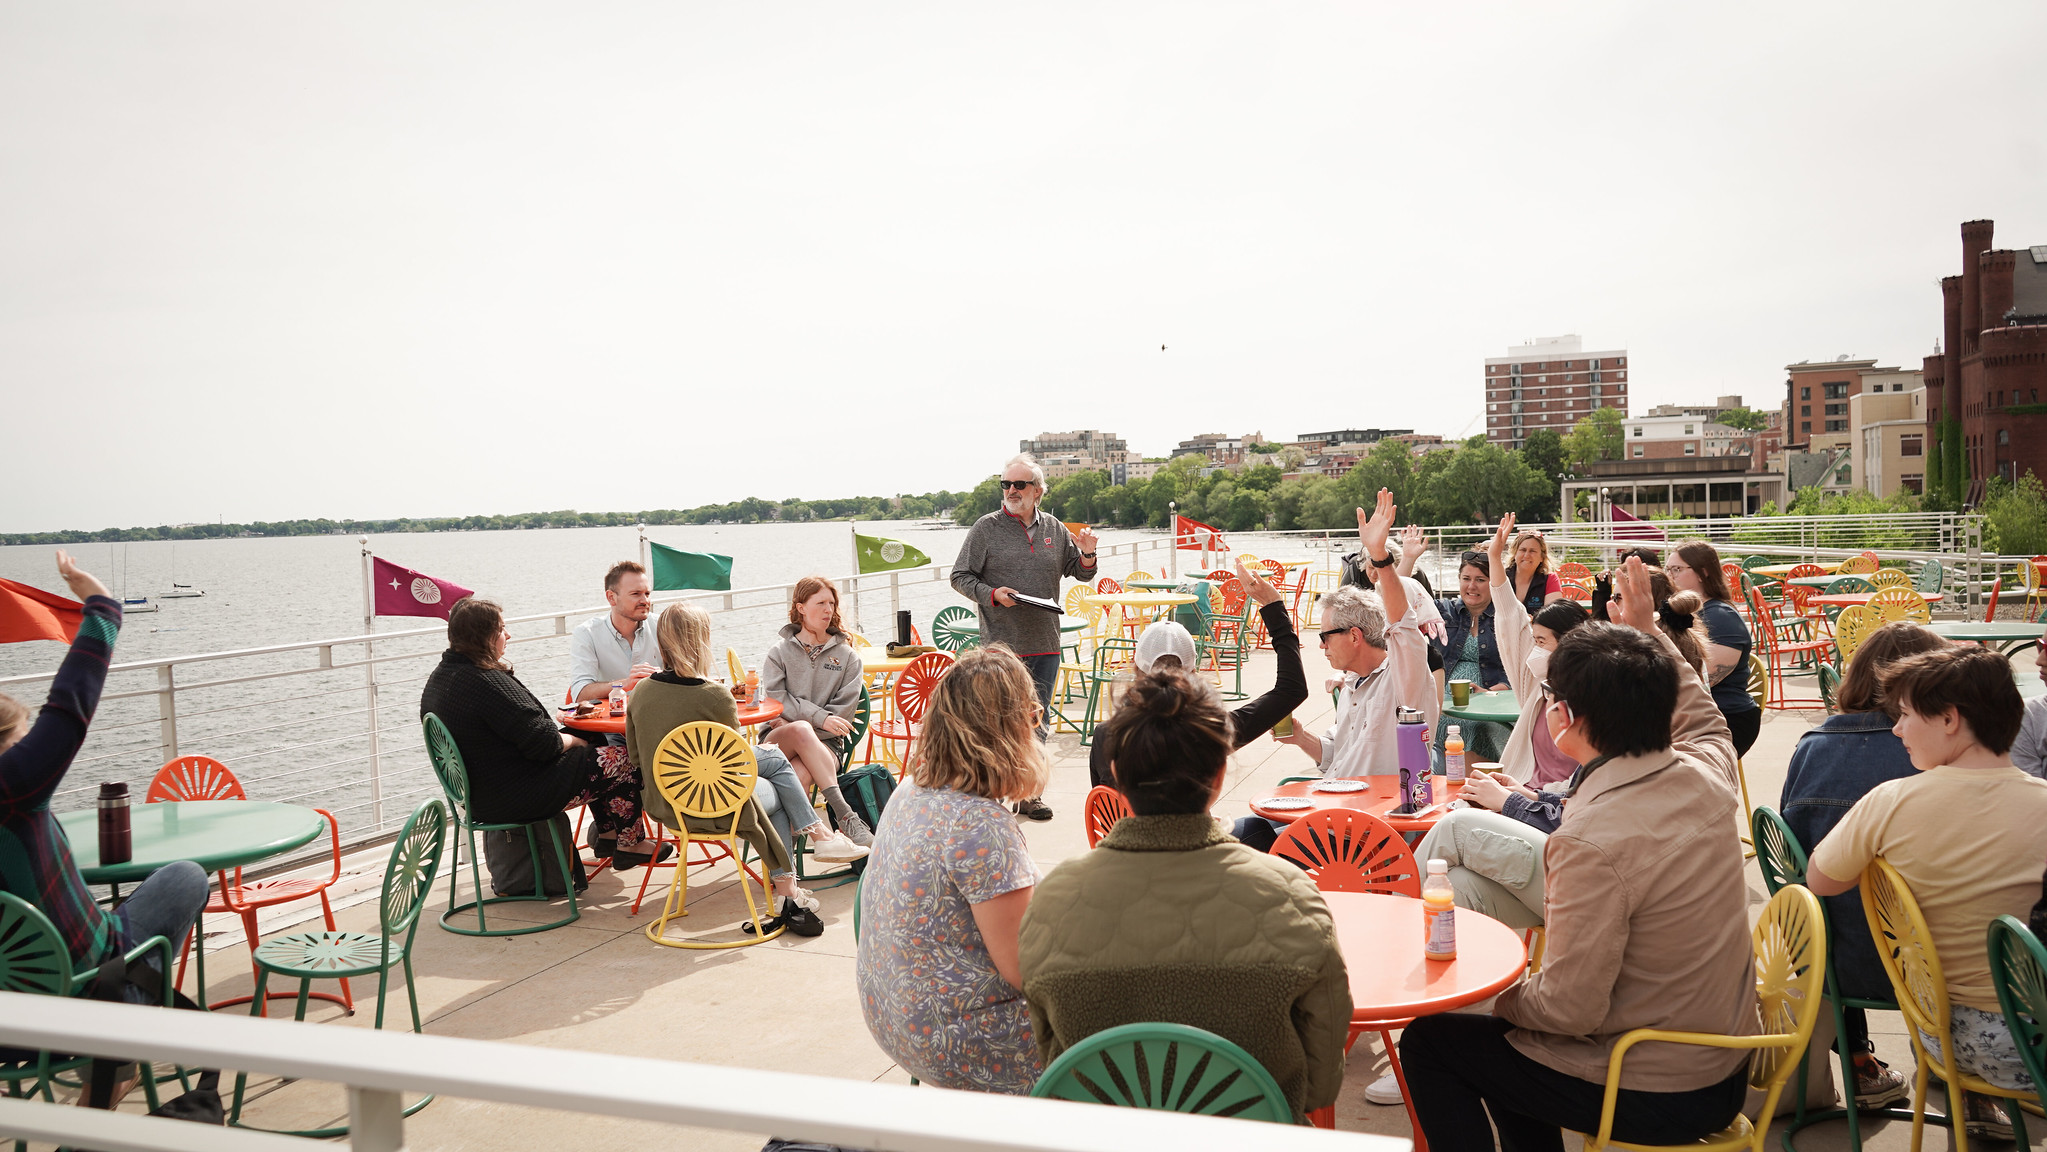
1130	932
1695	567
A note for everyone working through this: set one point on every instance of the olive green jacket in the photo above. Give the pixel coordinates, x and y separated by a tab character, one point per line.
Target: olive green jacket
658	707
1170	920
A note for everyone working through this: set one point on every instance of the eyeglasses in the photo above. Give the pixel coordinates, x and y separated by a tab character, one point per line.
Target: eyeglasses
1018	485
1550	700
1326	633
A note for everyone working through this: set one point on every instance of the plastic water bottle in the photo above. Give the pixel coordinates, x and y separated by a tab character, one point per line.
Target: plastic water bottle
1411	738
1439	913
753	687
618	699
1453	753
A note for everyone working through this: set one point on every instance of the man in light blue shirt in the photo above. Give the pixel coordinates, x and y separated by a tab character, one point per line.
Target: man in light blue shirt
609	649
2030	750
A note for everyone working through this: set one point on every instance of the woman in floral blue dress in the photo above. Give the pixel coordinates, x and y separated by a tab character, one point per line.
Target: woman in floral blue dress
947	884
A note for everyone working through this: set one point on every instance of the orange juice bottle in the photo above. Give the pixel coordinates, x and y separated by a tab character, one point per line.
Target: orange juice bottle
753	686
1439	913
1453	753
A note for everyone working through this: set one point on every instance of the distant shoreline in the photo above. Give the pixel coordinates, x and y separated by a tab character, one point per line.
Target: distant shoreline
749	511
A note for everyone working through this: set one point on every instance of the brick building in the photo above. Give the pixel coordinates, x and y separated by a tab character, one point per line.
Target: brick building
1550	383
1992	369
1064	453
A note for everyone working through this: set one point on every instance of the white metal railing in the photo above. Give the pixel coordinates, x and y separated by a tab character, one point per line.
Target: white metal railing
334	723
377	1066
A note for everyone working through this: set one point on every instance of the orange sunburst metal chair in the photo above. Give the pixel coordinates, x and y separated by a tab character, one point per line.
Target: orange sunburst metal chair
1104	806
913	688
204	778
1348	851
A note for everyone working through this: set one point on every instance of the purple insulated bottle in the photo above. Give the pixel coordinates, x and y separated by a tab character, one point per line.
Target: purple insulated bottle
1412	739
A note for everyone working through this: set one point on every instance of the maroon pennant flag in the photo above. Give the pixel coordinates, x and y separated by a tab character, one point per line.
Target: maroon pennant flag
403	592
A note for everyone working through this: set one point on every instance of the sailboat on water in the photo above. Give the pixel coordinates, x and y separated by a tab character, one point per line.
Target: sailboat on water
131	605
178	591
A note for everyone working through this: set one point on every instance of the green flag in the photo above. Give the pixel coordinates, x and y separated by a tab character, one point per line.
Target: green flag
882	554
675	570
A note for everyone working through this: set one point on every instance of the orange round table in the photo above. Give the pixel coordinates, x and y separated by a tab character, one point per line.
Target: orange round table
1381	797
1392	982
604	721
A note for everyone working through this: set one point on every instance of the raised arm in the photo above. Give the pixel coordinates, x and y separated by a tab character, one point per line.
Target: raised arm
1372	533
34	763
1698	731
1413	542
1511	627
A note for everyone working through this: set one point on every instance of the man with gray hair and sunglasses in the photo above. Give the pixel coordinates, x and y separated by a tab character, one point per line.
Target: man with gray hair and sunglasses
1021	549
1384	665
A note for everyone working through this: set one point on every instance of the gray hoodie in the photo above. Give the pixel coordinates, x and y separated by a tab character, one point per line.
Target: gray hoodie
1001	553
811	689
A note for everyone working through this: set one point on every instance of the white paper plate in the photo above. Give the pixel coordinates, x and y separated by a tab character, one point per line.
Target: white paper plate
1286	803
1339	786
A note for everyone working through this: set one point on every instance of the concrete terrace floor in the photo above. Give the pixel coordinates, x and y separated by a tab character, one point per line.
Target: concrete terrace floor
788	1005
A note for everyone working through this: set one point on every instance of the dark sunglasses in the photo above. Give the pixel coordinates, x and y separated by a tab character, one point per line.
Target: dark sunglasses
1474	559
1019	485
1326	633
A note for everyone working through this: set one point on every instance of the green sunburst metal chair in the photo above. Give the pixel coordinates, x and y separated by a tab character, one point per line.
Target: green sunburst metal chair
35	960
2018	966
946	633
310	956
1170	1067
454	777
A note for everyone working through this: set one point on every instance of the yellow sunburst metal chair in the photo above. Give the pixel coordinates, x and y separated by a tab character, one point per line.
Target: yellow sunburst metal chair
1905	945
1790	943
1852	627
1900	604
1889	578
707	771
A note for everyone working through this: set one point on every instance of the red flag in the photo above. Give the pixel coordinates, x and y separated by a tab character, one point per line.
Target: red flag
1189	534
28	613
403	592
1647	531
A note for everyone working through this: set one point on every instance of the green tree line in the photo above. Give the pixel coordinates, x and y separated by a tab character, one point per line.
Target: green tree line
752	510
1472	482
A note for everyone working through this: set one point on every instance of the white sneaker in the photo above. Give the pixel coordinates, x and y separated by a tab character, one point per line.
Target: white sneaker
836	849
805	900
1384	1090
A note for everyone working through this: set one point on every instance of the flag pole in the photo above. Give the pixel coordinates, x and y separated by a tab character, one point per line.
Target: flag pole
646	559
369	679
1173	541
853	540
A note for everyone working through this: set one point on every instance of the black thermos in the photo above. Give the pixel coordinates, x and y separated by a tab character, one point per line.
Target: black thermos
117	838
902	627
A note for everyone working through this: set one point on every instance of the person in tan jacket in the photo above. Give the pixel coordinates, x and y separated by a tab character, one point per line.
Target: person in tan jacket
1169	920
1646	919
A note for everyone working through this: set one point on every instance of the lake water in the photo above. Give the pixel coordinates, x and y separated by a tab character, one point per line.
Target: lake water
306	737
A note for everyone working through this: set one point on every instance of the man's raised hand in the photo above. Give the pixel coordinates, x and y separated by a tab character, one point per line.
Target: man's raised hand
1638	599
1374	529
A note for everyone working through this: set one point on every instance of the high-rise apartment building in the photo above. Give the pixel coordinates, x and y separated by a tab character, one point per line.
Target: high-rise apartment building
1062	454
1550	383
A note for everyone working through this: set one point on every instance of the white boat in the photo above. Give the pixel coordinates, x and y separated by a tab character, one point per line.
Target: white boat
130	605
178	591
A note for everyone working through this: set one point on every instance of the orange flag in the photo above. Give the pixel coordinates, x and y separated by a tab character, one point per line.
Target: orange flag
28	613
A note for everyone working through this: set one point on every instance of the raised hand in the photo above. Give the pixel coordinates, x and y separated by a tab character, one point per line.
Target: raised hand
1638	601
81	582
1086	541
1496	548
1373	529
1259	588
1413	541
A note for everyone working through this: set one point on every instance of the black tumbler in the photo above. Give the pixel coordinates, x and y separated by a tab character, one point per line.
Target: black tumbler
117	838
902	627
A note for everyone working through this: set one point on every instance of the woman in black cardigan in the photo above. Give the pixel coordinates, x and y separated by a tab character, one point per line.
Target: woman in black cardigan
523	768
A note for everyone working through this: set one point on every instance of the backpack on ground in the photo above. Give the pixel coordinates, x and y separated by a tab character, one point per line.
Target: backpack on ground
867	789
509	860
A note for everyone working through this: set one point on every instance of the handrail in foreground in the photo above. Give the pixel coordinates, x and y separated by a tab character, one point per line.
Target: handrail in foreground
376	1066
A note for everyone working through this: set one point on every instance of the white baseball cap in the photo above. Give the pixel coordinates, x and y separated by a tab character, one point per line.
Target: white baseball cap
1164	638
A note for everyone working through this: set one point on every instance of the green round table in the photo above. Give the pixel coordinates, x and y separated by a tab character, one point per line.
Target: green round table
214	834
1486	707
1994	632
1158	585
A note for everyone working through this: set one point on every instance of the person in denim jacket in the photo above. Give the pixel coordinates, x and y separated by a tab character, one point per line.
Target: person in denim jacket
1468	611
1833	766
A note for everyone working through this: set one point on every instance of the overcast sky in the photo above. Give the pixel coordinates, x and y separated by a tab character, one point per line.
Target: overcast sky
265	260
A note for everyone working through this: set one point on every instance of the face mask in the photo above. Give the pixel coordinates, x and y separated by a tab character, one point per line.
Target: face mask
1538	662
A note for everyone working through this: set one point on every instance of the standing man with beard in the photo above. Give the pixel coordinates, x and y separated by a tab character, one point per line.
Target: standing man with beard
1020	549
